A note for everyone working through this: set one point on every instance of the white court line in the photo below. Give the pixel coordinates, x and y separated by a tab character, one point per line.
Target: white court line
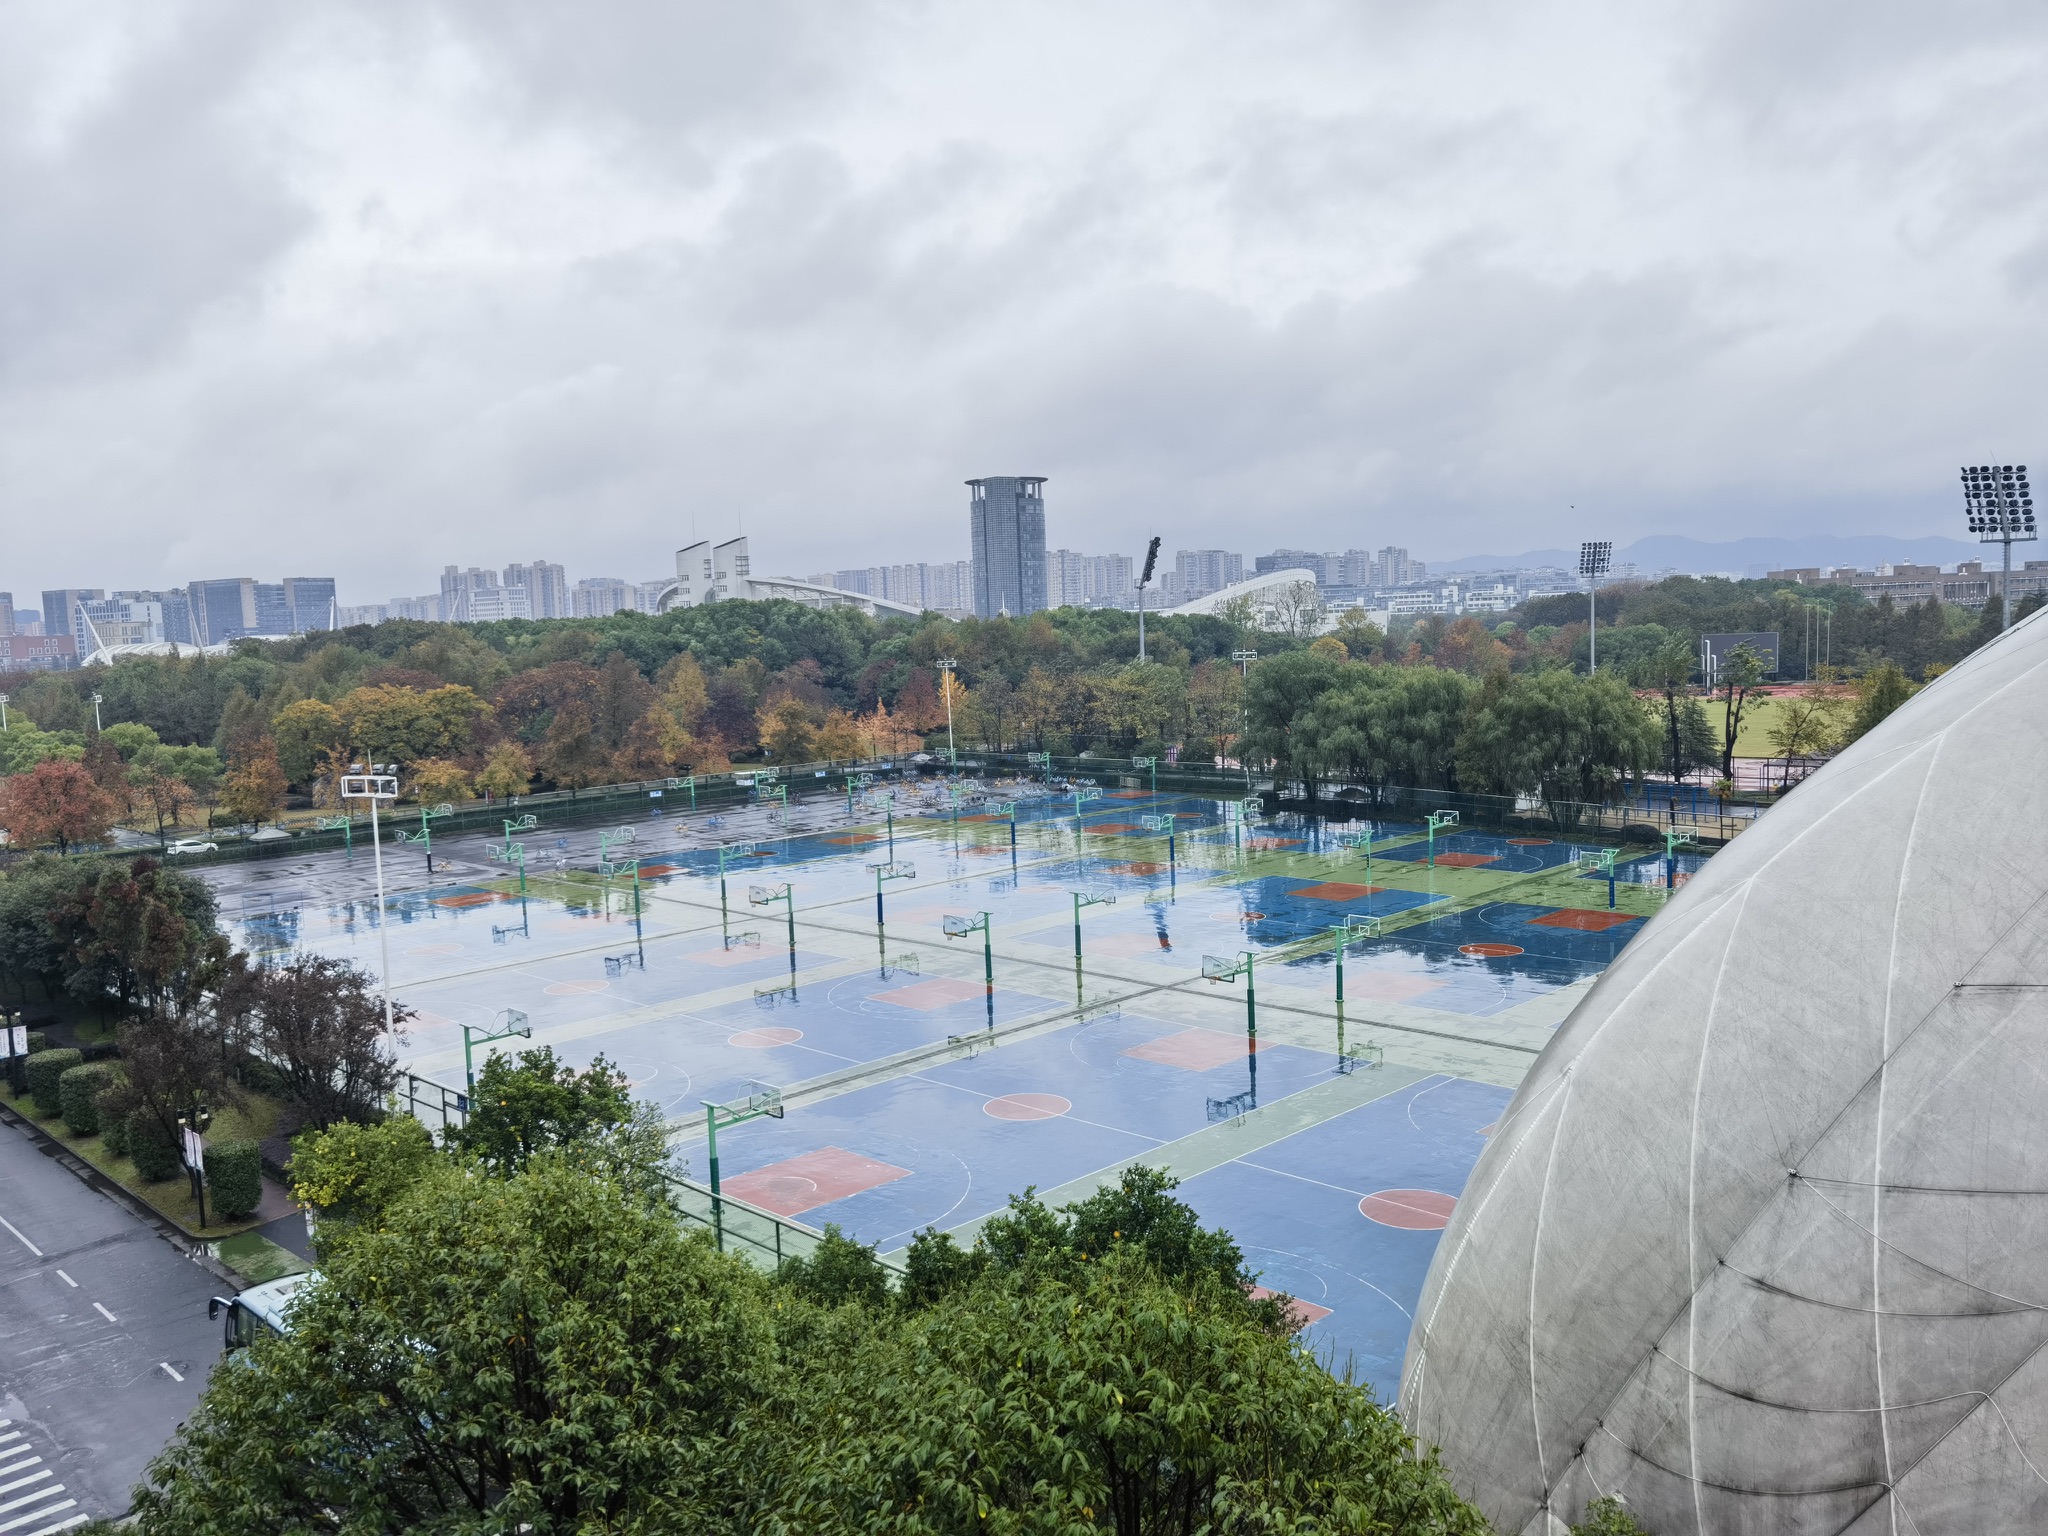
67	1279
31	1247
37	1514
23	1482
32	1498
169	1370
103	1312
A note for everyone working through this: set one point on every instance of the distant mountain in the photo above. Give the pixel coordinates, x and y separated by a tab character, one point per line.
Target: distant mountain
1748	557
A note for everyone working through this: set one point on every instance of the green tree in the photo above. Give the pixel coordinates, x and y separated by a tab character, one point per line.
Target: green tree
306	733
1878	692
255	786
354	1173
320	1022
1279	695
532	1103
1109	1400
1572	740
1738	675
544	1352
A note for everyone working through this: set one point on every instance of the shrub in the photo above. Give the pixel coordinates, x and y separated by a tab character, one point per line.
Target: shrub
114	1132
44	1069
78	1092
155	1154
234	1173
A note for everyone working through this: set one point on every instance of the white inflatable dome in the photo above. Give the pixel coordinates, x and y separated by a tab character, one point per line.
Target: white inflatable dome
1762	1243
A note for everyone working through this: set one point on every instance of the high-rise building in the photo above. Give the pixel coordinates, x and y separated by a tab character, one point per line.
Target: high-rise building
273	609
547	588
427	609
6	614
1075	580
487	605
126	618
222	610
1007	526
1391	567
459	586
730	567
596	597
310	601
363	613
60	608
1202	571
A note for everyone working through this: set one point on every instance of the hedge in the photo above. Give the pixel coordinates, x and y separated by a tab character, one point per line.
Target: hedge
234	1173
114	1134
155	1154
44	1069
78	1090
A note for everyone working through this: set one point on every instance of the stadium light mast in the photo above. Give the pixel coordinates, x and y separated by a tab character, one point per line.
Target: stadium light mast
1144	579
2000	509
1594	560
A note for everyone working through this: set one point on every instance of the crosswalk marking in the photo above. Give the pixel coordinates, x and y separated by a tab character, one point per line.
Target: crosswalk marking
40	1507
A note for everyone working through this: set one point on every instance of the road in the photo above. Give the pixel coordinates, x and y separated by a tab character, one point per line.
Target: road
104	1345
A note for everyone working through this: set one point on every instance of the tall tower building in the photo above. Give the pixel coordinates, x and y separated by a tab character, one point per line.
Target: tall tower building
1007	520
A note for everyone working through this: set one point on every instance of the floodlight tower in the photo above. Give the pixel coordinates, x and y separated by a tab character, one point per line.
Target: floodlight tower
1145	580
947	665
1594	560
2000	509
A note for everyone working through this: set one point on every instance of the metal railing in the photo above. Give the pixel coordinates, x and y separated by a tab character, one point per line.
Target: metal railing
759	1236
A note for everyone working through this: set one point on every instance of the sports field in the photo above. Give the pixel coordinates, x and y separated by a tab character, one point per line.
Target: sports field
926	1078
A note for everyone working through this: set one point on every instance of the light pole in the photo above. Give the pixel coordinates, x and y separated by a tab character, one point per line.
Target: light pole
946	666
889	870
2000	509
475	1035
1594	560
1144	581
1244	659
97	701
376	786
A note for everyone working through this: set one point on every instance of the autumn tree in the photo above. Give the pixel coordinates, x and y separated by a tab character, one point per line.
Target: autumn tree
435	779
55	802
320	1023
507	771
256	785
306	733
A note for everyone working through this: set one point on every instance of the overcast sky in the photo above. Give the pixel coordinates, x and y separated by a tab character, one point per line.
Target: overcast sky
291	289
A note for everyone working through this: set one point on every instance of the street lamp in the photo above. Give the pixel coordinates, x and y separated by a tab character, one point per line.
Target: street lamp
946	666
376	786
192	1148
1144	581
2000	509
1244	659
1594	560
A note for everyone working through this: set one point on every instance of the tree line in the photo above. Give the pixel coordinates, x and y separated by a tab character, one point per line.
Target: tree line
500	709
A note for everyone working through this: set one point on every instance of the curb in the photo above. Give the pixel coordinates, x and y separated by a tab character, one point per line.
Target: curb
191	1247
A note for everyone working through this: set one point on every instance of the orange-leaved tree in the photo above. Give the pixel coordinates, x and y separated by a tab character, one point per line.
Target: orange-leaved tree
55	802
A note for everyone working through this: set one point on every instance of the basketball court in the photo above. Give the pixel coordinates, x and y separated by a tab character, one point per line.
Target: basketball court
928	1078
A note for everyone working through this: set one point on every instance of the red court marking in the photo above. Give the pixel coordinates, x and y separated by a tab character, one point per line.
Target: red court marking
428	1020
652	871
764	1039
467	899
854	839
1389	986
984	817
1130	794
1488	1130
1267	843
1026	1106
939	992
1336	890
1581	919
739	954
1137	869
1528	842
1115	828
435	949
1417	1210
762	853
1187	815
1193	1050
1467	860
571	988
811	1179
1490	951
1303	1312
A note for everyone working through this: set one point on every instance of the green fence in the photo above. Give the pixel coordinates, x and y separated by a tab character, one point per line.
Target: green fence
759	1236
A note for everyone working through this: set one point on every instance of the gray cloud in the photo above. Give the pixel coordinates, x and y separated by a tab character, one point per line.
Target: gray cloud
372	290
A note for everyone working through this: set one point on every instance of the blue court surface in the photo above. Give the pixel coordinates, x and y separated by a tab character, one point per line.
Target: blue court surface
936	1107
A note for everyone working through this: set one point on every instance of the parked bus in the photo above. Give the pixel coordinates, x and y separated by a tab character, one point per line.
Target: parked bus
258	1308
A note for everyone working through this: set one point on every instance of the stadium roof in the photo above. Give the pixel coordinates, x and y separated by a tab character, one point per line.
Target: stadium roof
1762	1242
1262	587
